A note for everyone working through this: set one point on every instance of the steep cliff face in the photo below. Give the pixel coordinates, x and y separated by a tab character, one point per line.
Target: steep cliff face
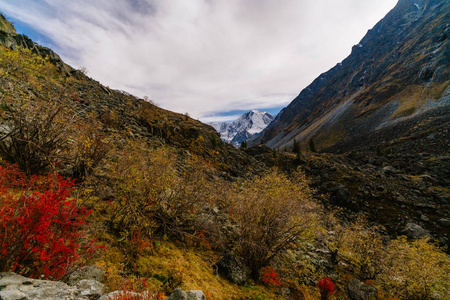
397	73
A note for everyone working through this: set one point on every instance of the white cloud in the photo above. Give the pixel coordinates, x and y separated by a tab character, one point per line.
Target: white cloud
203	56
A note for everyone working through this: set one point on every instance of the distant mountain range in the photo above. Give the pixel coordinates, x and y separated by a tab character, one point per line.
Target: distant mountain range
243	128
393	85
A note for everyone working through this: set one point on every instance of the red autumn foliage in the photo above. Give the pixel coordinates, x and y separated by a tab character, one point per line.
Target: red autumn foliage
40	228
270	276
326	286
11	177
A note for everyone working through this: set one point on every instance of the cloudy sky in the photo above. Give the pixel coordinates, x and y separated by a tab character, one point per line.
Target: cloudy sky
213	59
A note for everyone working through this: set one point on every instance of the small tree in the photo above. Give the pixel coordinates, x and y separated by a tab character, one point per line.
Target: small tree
296	147
312	145
272	212
32	137
244	145
296	150
215	141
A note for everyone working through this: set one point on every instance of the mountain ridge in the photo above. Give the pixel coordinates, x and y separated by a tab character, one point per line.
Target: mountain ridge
398	70
243	128
120	110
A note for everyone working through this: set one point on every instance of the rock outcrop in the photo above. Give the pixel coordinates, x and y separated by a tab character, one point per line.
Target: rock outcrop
179	294
17	287
88	273
232	268
10	39
356	290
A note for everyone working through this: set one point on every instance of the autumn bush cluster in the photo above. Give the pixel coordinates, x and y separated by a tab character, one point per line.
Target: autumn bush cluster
74	177
41	228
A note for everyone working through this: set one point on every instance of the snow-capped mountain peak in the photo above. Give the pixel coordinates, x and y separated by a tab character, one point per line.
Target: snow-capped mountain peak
244	127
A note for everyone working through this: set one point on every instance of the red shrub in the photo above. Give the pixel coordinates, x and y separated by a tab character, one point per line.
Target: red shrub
270	276
11	177
40	231
326	286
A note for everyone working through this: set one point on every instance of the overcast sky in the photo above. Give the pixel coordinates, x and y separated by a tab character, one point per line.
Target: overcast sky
211	58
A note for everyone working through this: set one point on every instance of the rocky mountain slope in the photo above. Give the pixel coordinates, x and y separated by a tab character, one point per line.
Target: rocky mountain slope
385	112
243	128
406	192
115	111
397	74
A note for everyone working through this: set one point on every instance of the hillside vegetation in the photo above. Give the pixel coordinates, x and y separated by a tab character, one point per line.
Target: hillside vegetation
93	176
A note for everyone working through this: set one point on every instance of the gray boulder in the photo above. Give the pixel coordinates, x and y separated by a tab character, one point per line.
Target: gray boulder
356	290
16	287
340	194
92	289
86	272
179	294
12	295
415	231
444	222
195	295
232	268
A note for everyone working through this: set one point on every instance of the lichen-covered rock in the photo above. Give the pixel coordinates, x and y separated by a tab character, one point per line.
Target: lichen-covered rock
16	287
415	231
195	295
232	268
356	290
12	295
179	294
90	288
86	272
444	222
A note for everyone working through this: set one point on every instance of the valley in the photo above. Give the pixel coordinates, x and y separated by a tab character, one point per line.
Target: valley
344	195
